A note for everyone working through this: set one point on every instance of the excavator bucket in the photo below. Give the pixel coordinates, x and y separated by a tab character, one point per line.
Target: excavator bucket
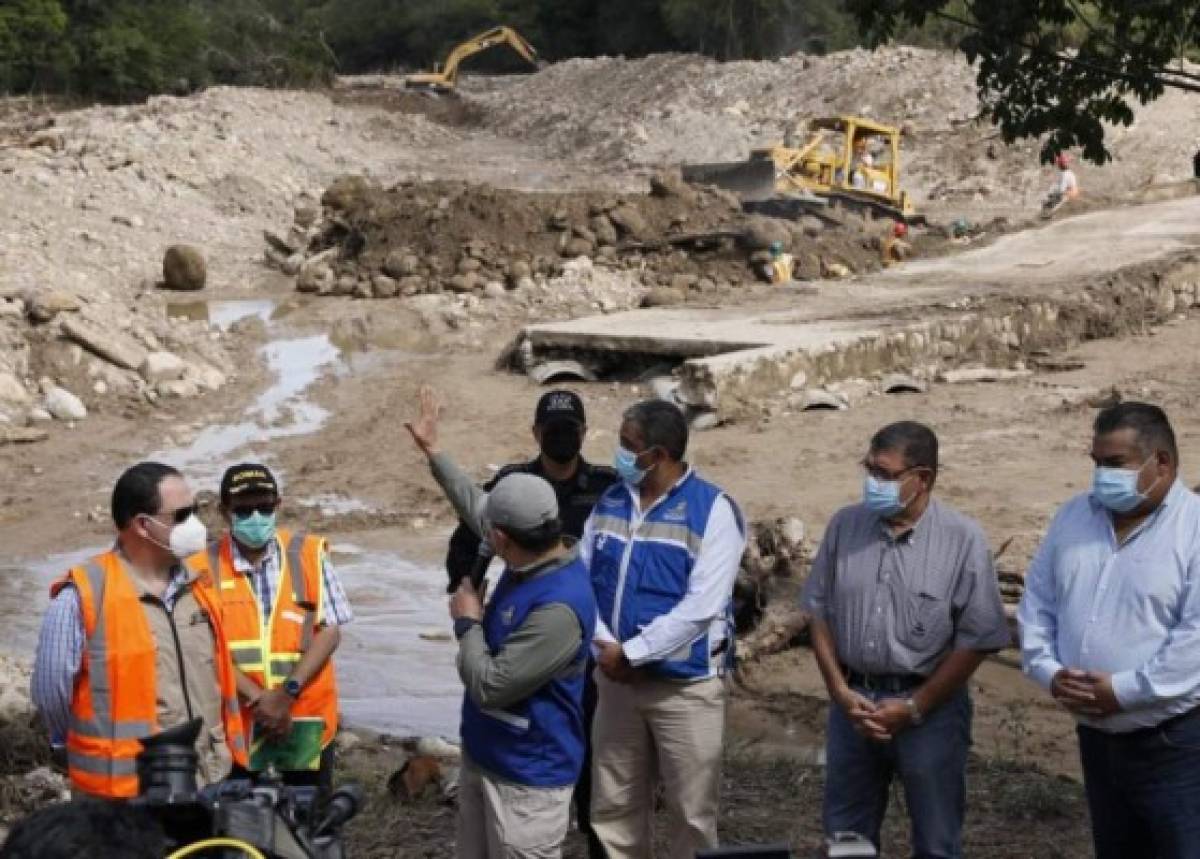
753	181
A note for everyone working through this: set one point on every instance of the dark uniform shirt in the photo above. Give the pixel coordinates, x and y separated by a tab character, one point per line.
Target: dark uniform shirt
576	498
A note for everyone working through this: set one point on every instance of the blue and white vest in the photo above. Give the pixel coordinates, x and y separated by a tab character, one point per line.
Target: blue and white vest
639	576
540	741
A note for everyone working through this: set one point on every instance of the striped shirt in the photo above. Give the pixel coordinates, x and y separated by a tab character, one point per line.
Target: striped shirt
264	581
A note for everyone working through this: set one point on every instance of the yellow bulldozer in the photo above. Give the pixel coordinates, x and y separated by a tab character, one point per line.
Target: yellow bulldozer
445	79
847	161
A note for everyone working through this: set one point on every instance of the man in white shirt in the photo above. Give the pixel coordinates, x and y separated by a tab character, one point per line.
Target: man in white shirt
1110	627
663	548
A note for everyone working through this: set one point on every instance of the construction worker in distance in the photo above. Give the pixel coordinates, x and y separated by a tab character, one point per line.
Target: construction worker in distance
779	270
283	607
895	248
133	644
1067	188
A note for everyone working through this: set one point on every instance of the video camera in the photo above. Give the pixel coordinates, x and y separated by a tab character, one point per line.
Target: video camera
280	821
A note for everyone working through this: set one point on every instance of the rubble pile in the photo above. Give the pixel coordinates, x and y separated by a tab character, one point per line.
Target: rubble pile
678	243
27	782
680	108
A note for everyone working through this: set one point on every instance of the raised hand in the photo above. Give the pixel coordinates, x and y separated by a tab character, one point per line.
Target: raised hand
424	430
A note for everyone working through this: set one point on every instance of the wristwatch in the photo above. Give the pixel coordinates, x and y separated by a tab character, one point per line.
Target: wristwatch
914	712
292	687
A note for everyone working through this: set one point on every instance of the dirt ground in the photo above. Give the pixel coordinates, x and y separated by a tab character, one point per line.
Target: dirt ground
1011	452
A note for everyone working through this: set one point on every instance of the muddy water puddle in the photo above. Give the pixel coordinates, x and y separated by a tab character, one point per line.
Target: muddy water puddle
392	676
396	661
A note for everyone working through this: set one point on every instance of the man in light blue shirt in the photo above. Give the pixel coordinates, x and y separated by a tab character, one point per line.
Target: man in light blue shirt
1110	626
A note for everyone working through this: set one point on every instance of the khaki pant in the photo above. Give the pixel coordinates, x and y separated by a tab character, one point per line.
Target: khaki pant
650	731
501	820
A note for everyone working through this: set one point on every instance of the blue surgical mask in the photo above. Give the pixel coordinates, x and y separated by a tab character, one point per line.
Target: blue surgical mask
255	531
625	464
882	496
1116	488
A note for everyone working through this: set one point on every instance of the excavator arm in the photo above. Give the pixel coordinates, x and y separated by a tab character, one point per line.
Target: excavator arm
447	78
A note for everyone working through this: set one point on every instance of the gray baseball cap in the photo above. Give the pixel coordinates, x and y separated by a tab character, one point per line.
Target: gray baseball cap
522	502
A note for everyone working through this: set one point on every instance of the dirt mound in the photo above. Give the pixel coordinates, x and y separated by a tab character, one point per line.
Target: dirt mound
679	242
672	109
387	93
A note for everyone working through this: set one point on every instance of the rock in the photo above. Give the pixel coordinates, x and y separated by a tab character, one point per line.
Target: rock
162	367
315	276
282	245
184	268
44	305
114	347
206	377
462	283
12	308
65	406
684	282
629	222
401	264
798	381
604	231
292	265
468	265
981	374
812	226
306	212
344	192
40	415
833	269
817	398
663	297
413	285
11	389
179	388
762	232
420	777
518	270
383	286
577	247
22	435
495	289
669	183
346	285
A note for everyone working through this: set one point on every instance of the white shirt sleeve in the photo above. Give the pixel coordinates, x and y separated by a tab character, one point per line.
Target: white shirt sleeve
710	588
1037	614
586	540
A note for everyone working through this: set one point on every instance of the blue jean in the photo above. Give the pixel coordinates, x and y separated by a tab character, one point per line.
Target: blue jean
1143	790
930	761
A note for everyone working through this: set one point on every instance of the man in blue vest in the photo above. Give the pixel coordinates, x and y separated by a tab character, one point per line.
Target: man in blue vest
663	548
522	661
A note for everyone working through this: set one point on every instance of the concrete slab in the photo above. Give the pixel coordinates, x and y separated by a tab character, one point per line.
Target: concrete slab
989	304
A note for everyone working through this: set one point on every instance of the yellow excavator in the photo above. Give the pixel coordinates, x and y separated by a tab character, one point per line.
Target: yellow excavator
847	161
445	79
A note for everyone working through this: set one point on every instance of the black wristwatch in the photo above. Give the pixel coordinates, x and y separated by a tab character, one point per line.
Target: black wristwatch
292	687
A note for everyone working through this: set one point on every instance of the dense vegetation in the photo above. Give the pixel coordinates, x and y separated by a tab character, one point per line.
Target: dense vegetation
1054	69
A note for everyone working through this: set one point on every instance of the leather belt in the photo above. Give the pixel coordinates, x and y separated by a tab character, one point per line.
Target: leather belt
893	683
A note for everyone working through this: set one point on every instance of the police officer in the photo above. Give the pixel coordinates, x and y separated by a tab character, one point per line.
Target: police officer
559	428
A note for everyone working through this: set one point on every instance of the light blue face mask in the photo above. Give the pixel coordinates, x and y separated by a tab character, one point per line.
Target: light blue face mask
882	496
1116	488
255	531
625	464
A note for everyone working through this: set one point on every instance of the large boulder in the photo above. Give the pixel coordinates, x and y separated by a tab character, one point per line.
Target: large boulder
64	405
162	367
184	268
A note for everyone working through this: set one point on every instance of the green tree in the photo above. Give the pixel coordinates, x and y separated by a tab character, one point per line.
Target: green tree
1057	68
32	51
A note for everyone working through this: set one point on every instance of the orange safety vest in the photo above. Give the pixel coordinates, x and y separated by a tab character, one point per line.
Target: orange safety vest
114	703
269	656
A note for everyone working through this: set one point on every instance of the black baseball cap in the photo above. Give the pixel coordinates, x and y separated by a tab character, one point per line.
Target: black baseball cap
559	406
246	478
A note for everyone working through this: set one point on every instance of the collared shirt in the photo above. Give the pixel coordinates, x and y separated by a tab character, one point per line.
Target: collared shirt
264	581
1129	609
899	603
182	634
710	585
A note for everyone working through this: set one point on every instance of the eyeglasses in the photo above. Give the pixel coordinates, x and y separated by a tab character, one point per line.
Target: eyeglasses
882	474
245	511
181	515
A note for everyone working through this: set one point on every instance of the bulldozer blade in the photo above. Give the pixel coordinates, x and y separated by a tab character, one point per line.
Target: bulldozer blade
752	180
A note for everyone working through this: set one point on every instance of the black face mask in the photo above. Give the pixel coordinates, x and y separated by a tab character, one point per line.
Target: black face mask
561	442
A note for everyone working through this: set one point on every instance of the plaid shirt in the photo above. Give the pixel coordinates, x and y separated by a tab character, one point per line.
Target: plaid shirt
264	581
